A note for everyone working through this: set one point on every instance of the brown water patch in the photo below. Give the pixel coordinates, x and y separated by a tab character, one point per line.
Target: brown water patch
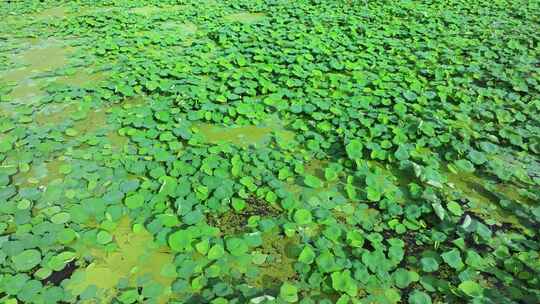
316	167
57	277
234	222
279	263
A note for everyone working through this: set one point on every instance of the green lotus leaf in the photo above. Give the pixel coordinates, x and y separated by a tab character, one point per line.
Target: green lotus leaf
26	260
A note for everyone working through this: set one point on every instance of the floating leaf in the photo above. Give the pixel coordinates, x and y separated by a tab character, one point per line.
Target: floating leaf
429	264
455	208
134	201
354	149
419	297
216	252
302	217
307	255
403	277
439	210
26	260
410	96
355	238
104	237
288	293
453	258
71	132
464	165
312	181
471	288
236	246
61	218
180	240
343	281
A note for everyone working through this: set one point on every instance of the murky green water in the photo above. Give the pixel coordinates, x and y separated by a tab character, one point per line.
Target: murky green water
245	17
82	78
41	174
483	203
243	135
39	58
53	12
135	256
187	28
149	10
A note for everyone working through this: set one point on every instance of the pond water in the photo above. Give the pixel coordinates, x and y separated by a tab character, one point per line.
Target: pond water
245	17
244	135
41	174
135	257
52	13
33	63
149	9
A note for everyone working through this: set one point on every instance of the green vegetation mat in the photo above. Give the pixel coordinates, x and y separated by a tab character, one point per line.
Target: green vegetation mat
277	151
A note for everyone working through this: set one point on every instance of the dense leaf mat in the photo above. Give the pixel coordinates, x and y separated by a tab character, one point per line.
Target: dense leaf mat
250	151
